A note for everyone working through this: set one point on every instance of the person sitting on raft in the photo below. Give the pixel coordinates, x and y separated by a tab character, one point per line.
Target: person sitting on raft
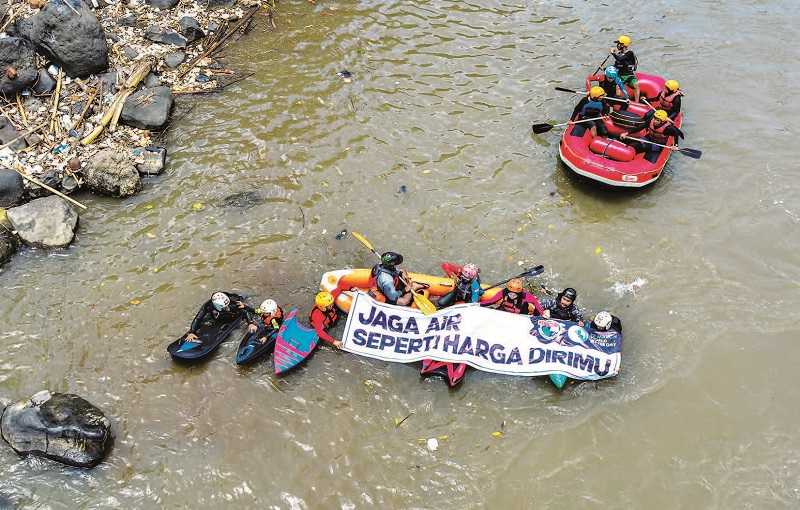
669	99
325	315
221	307
391	281
610	81
515	299
604	321
563	307
271	316
588	108
657	129
467	287
626	63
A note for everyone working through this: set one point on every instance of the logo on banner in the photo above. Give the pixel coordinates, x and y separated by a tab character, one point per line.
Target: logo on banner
578	335
548	330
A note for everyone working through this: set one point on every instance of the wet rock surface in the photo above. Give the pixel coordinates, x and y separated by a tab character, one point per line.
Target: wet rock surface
12	188
17	65
112	173
9	134
165	36
47	222
76	42
8	244
148	109
59	426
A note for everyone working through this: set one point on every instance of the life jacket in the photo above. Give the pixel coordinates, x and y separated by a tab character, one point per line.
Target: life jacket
656	134
330	316
277	317
517	305
374	290
665	102
463	289
592	108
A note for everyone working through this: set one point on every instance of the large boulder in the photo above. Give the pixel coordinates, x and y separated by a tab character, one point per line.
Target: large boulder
60	426
47	222
17	65
163	4
12	188
8	243
76	42
112	173
9	134
148	108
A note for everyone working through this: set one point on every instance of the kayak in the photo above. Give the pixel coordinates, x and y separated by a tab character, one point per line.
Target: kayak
609	160
250	348
209	337
360	279
293	343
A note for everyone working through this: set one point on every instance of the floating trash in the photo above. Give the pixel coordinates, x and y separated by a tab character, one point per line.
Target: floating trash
341	235
345	75
432	444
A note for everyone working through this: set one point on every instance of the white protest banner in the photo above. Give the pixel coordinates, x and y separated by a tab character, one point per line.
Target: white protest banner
486	339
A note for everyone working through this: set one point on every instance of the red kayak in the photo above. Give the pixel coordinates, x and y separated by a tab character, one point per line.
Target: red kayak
608	160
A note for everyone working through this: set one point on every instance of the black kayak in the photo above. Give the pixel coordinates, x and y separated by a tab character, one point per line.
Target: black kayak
209	337
250	349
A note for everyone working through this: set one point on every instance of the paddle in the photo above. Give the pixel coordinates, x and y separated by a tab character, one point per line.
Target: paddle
546	126
644	99
692	153
562	89
423	303
601	65
528	273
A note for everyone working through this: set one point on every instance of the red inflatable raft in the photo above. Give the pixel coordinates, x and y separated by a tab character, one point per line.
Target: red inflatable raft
610	161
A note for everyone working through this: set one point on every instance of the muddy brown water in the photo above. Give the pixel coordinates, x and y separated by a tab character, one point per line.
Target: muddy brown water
702	267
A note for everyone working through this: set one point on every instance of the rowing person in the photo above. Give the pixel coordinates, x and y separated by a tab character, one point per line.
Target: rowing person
669	99
610	81
604	321
271	317
389	282
515	299
222	307
325	315
658	129
591	107
563	307
625	61
467	287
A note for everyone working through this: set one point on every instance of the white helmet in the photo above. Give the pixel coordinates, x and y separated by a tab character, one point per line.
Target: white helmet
268	307
603	320
220	300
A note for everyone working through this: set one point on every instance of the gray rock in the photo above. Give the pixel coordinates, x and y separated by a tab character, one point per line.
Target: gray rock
131	53
47	222
152	80
148	108
112	173
190	29
109	80
74	41
175	58
59	426
168	36
8	245
44	84
12	188
8	132
154	160
219	3
213	26
17	65
163	4
129	20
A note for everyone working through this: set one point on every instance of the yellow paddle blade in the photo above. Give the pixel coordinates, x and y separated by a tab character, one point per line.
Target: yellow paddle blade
363	240
424	304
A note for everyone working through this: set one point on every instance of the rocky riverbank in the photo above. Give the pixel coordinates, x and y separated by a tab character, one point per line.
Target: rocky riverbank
87	87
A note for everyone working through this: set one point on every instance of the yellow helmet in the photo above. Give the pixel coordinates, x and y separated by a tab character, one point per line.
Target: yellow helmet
672	85
596	92
323	299
661	115
624	40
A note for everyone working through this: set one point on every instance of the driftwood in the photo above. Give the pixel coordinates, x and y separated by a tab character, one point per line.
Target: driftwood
216	89
23	135
111	116
89	102
48	188
54	112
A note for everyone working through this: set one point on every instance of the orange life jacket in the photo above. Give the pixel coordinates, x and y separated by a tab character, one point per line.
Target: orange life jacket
656	134
665	101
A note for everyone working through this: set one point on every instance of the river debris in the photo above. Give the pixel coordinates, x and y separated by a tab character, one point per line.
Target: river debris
79	78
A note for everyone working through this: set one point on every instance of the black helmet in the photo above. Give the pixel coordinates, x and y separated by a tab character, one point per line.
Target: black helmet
568	293
391	258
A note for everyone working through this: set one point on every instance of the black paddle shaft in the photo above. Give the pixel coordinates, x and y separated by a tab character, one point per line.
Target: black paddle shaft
527	274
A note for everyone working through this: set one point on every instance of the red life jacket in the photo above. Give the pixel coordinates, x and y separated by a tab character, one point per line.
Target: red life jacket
512	305
665	101
656	134
329	316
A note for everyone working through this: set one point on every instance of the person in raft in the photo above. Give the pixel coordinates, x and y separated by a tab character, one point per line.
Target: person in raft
467	287
219	308
271	316
625	61
389	281
325	315
657	129
610	81
588	108
604	321
669	99
515	299
563	307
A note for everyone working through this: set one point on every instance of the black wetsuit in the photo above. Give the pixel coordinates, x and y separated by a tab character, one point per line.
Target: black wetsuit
585	110
570	313
625	63
231	312
652	151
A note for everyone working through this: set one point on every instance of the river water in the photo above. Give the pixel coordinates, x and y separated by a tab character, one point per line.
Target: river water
429	152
